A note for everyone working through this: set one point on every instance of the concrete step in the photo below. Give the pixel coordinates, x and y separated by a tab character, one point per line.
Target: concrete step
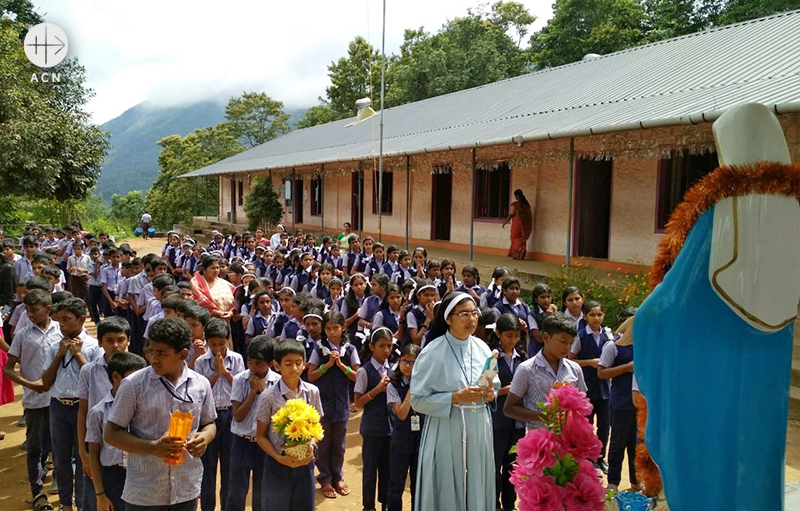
200	235
211	222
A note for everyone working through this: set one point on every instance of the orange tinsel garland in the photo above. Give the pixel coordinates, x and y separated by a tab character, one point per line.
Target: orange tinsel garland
733	181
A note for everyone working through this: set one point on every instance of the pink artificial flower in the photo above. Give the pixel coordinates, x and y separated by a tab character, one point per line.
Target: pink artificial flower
587	468
539	494
518	476
571	399
578	438
584	493
535	451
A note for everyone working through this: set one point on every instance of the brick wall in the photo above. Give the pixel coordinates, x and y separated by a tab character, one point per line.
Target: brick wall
540	169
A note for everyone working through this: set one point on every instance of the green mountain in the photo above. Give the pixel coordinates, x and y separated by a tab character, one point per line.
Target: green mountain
133	157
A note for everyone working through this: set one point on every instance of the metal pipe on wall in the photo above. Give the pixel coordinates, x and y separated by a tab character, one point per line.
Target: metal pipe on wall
569	207
294	198
472	208
321	200
408	194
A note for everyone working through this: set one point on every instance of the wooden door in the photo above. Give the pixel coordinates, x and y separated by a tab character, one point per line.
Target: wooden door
298	201
441	205
233	201
357	201
592	208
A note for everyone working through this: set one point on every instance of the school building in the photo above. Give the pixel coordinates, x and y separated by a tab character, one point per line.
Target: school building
603	149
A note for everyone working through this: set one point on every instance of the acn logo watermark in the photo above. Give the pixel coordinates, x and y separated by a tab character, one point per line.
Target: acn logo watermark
46	45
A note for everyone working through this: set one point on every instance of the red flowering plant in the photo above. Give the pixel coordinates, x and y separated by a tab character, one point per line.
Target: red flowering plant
553	471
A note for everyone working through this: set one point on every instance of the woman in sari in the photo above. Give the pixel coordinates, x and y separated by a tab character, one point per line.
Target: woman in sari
521	219
212	292
457	434
344	237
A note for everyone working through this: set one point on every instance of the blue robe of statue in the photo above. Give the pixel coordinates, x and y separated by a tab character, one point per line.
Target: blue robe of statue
440	473
717	391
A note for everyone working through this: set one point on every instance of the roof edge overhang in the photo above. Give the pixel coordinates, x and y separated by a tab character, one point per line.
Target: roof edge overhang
694	119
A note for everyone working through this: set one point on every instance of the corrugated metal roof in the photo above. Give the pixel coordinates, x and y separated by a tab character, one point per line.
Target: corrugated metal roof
687	79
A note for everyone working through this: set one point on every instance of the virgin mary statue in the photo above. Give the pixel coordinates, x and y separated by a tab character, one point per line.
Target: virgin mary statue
714	339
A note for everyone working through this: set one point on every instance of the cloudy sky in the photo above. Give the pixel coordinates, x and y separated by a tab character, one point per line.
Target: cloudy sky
174	51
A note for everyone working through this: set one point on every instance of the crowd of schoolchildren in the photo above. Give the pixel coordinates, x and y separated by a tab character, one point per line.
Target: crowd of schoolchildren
338	327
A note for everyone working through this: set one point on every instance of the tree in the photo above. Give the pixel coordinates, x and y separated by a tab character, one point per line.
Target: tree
579	27
512	15
262	204
351	78
49	145
172	200
673	18
21	11
255	118
316	115
128	209
466	52
735	11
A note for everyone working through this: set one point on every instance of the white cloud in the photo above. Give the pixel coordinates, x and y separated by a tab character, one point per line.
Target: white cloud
171	52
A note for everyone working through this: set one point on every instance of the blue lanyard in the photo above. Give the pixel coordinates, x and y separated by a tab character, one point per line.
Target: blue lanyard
461	365
187	399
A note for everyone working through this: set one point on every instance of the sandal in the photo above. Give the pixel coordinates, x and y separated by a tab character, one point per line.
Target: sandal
342	489
42	505
328	492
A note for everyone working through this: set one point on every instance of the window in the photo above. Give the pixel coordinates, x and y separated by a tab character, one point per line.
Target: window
675	176
492	190
241	193
316	196
386	195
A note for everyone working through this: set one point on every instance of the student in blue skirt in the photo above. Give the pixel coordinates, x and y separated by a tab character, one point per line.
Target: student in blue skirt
511	304
493	292
332	366
616	363
406	430
543	307
507	341
586	351
372	381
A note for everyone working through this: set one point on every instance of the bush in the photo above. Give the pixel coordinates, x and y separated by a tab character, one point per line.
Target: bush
262	205
615	290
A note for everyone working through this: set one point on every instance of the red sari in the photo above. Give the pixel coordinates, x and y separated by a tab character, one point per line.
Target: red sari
6	386
218	297
521	229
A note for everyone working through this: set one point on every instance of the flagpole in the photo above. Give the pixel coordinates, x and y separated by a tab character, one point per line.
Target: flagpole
380	153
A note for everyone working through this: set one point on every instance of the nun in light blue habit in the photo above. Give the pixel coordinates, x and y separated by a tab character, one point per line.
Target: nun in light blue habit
456	457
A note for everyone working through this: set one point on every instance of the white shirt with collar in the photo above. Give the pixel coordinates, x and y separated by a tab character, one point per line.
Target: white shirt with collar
66	384
30	346
144	404
597	336
206	365
535	378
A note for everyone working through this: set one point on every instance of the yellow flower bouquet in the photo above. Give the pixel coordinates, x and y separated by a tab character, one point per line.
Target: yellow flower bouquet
299	423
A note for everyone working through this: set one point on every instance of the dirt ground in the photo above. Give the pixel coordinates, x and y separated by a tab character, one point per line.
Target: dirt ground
15	490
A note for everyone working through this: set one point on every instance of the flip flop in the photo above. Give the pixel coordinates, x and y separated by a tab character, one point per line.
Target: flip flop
329	492
40	503
342	489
